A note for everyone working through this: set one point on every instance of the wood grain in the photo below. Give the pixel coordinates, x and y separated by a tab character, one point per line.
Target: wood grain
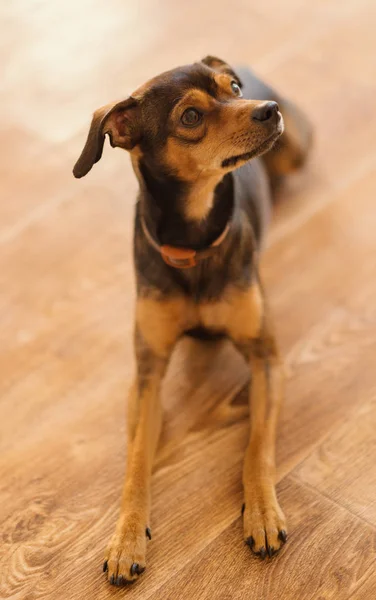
366	589
342	466
314	566
67	296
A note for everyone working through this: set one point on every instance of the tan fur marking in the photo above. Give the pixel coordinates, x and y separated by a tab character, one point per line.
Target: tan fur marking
196	98
239	313
226	130
161	322
200	200
223	80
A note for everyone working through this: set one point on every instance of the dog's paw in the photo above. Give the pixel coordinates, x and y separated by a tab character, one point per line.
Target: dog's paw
125	556
265	529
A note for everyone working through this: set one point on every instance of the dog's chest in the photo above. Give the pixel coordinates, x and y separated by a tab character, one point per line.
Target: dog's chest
236	313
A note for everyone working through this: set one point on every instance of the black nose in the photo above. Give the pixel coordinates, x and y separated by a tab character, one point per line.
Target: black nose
265	111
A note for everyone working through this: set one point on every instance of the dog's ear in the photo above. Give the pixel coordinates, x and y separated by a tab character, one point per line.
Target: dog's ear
221	66
120	120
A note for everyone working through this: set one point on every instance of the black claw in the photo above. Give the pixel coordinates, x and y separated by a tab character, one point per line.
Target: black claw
136	569
243	508
283	536
262	553
120	580
105	565
148	533
250	541
112	580
271	551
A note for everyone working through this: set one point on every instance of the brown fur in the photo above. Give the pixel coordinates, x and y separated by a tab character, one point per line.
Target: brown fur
183	171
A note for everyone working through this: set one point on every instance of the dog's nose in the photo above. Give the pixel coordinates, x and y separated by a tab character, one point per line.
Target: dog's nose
265	111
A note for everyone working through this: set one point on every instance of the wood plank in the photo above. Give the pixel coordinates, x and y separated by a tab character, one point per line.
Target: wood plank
366	589
329	553
342	467
326	325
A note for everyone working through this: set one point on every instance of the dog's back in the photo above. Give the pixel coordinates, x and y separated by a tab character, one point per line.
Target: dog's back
256	181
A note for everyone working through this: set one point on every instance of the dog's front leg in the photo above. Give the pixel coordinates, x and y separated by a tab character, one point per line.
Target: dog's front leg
125	554
156	333
264	522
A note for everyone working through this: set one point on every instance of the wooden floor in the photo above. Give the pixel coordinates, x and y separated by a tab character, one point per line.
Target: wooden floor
66	297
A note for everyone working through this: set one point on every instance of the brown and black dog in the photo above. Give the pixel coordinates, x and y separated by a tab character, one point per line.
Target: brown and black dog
200	218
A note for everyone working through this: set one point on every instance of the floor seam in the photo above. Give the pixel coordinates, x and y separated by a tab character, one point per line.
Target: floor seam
311	487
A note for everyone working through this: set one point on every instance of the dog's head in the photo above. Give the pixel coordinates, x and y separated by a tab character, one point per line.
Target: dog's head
186	122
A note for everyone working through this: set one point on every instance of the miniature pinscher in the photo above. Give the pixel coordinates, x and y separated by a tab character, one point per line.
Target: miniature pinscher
194	135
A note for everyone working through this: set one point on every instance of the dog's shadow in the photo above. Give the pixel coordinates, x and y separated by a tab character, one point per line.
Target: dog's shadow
205	388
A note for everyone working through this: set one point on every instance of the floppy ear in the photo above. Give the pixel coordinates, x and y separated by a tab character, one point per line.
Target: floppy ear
120	121
221	67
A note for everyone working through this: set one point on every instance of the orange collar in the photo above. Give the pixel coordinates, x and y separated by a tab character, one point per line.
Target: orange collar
183	258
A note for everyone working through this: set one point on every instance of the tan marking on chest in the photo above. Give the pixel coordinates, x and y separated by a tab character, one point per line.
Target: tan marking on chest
200	200
239	313
162	321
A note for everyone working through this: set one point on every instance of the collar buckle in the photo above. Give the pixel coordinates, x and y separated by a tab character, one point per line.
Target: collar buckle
180	258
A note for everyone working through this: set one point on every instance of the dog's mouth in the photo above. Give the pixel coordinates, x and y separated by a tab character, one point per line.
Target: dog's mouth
264	147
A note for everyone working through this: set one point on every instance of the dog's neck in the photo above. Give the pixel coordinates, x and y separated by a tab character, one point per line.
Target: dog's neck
190	215
200	197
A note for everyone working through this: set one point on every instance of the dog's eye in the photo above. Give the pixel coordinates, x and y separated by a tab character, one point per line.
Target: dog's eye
191	117
236	89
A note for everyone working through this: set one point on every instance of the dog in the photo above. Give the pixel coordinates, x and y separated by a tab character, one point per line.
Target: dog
196	135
